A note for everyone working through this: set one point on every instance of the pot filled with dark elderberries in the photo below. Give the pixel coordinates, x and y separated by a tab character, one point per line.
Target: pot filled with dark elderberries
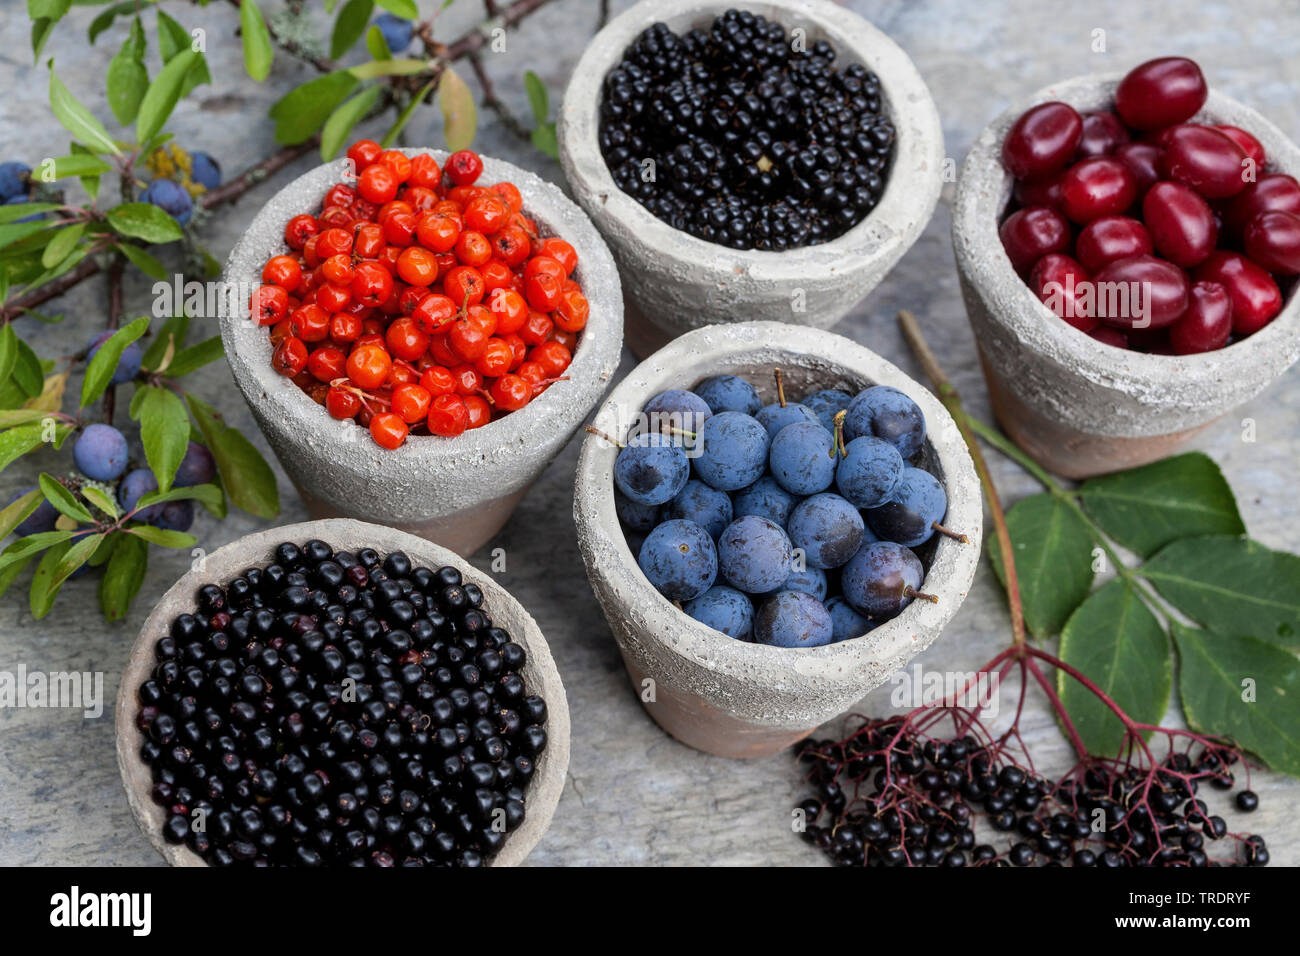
753	161
336	693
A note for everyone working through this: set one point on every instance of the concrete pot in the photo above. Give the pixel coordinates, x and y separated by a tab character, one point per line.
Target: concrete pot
725	696
675	282
228	562
456	491
1079	407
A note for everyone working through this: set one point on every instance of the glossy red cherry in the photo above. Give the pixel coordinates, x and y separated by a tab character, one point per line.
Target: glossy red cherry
1064	287
1140	292
1103	133
1207	323
1029	234
1204	159
1253	147
1141	160
1093	188
1042	140
1045	191
1272	240
1104	240
1256	299
1181	223
1272	192
1160	93
1110	336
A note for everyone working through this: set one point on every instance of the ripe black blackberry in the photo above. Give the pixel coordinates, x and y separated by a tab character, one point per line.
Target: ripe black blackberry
741	136
326	710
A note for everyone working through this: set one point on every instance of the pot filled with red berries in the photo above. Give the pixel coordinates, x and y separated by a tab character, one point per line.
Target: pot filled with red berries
774	520
423	334
745	161
1128	249
336	693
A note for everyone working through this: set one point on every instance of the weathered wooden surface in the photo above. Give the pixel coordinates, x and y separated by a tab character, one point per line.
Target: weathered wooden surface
635	796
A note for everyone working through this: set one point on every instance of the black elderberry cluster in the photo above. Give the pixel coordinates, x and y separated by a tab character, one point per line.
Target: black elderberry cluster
334	709
741	136
925	809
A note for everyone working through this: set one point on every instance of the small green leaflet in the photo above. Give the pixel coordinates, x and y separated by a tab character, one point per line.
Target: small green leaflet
376	45
128	79
143	261
1115	640
63	500
25	547
169	340
1145	508
349	25
123	576
258	52
101	367
142	220
341	121
164	431
162	536
61	246
210	496
16	513
44	589
405	9
78	120
104	502
537	97
1243	688
303	110
246	476
401	67
196	356
16	442
163	93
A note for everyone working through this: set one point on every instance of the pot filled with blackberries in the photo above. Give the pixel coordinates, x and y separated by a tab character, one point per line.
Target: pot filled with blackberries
418	334
336	693
748	161
774	520
1128	247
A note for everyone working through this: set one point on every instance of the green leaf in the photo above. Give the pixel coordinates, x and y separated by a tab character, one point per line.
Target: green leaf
27	371
44	589
248	479
123	576
41	30
20	416
210	496
144	220
341	121
61	246
22	209
16	442
196	356
1231	585
537	97
1145	508
172	37
47	9
1115	640
376	45
77	555
401	67
15	232
8	351
162	536
78	120
19	511
104	502
170	339
406	9
11	572
160	99
63	500
26	547
407	112
143	261
78	164
302	110
258	52
1053	553
349	25
104	364
164	431
126	84
1217	678
543	138
106	18
459	115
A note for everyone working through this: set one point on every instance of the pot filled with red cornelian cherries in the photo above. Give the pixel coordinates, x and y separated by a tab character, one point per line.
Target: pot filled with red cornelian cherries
418	301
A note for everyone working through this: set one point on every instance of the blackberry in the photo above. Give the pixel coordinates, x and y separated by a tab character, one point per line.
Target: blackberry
742	137
338	709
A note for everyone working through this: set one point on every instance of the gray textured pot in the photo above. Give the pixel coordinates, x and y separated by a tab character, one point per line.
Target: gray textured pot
456	491
725	696
1077	406
675	282
228	562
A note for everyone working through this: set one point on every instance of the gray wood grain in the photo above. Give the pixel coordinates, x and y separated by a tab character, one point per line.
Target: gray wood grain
634	796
